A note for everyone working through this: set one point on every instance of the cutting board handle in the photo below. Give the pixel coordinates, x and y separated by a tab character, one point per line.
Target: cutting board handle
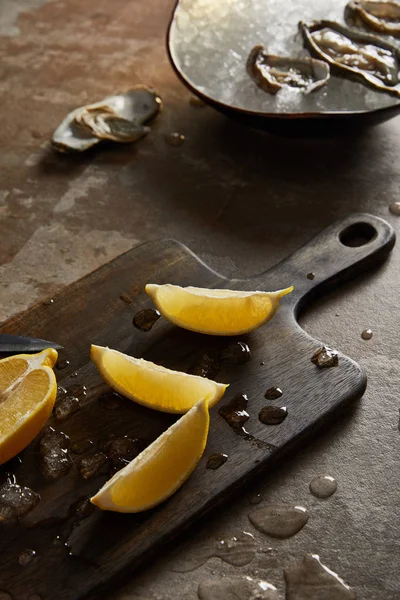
339	253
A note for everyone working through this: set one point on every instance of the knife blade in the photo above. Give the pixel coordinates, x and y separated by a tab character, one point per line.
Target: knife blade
17	343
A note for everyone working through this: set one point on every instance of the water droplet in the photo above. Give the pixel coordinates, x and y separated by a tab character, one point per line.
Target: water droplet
61	390
273	393
67	407
145	319
62	363
174	139
323	486
310	275
92	465
262	363
82	446
235	413
395	208
74	374
16	500
53	451
111	401
238	550
366	334
26	557
125	298
325	358
205	366
48	302
311	580
196	101
278	520
215	461
236	587
237	353
273	415
256	499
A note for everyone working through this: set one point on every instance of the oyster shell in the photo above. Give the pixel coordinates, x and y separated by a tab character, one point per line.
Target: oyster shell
272	72
119	118
358	55
379	16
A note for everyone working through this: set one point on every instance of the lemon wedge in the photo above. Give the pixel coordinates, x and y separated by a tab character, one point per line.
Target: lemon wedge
215	312
161	468
152	385
28	390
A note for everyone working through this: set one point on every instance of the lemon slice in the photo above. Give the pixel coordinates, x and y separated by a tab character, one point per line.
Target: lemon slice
152	385
161	469
216	312
28	390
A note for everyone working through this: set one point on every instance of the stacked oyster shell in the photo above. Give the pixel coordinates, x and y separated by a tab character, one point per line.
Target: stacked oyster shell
351	52
120	118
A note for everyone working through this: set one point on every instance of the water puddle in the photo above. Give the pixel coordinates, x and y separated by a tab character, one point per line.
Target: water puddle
311	580
238	551
236	353
278	520
205	366
237	588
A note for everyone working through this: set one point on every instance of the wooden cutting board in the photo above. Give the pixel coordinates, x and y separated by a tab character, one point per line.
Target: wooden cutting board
91	311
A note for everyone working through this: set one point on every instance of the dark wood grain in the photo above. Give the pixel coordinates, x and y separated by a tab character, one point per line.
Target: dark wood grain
91	311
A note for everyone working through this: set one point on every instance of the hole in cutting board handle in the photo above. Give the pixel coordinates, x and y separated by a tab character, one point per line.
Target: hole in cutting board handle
358	234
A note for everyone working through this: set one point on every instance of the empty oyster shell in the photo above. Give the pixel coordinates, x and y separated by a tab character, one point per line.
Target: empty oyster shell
272	72
358	55
379	16
119	118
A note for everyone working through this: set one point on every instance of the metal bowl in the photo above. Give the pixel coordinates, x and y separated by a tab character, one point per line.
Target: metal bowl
209	42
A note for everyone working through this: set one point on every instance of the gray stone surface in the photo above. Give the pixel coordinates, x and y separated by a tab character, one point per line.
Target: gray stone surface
242	199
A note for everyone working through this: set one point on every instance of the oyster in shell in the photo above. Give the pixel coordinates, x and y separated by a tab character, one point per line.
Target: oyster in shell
272	72
355	54
119	118
379	16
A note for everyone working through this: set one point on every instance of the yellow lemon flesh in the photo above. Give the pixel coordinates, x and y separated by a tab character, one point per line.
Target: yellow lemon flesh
28	390
161	469
152	385
215	312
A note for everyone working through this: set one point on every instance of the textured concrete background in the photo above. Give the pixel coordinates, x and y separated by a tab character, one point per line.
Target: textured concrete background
241	199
